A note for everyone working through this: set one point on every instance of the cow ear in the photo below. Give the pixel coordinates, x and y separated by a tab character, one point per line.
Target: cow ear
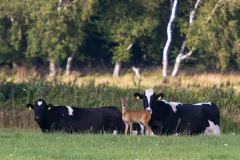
159	96
30	106
49	106
138	96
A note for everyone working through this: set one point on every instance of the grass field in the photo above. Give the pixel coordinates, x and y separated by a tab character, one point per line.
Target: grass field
24	145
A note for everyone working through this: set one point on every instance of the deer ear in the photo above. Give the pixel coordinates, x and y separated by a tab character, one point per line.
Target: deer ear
138	96
30	106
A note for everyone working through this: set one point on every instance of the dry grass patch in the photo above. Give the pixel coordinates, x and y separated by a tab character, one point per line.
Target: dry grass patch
149	77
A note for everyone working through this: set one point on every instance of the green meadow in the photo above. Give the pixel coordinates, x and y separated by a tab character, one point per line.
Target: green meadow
33	145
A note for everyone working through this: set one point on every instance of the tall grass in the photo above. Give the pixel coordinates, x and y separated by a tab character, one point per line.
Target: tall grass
19	144
103	90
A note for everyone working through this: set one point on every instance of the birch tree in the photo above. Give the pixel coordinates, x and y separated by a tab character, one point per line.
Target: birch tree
215	35
169	39
181	56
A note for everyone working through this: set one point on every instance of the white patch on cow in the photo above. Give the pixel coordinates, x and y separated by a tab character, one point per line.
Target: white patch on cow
149	109
142	129
208	103
174	105
212	129
70	110
134	132
176	134
149	92
115	132
39	103
152	134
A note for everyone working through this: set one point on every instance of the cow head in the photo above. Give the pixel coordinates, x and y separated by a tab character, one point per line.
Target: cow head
40	107
149	97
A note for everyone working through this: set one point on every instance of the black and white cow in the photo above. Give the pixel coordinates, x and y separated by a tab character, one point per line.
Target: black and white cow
73	119
174	117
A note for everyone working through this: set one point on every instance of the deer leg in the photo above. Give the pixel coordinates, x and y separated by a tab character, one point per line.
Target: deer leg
147	127
126	127
131	126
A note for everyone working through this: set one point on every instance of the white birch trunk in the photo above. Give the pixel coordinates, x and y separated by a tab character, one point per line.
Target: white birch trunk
15	67
118	64
180	55
52	69
69	64
178	59
169	34
137	72
117	69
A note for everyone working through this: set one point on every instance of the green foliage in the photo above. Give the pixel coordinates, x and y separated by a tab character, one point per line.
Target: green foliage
5	49
125	23
216	35
13	26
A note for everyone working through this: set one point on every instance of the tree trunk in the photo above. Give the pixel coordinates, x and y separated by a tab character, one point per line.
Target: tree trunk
169	34
137	72
117	69
52	68
180	55
69	64
15	67
178	59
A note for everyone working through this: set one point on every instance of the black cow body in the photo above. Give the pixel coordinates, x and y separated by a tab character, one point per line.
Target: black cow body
74	119
172	117
114	120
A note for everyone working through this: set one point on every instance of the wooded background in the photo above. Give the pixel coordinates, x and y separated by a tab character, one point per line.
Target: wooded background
77	33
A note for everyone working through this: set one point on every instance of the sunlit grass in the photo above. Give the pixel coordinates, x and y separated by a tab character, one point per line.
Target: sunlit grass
19	144
149	77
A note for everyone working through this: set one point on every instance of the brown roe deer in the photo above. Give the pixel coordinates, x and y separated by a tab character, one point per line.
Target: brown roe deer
130	117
